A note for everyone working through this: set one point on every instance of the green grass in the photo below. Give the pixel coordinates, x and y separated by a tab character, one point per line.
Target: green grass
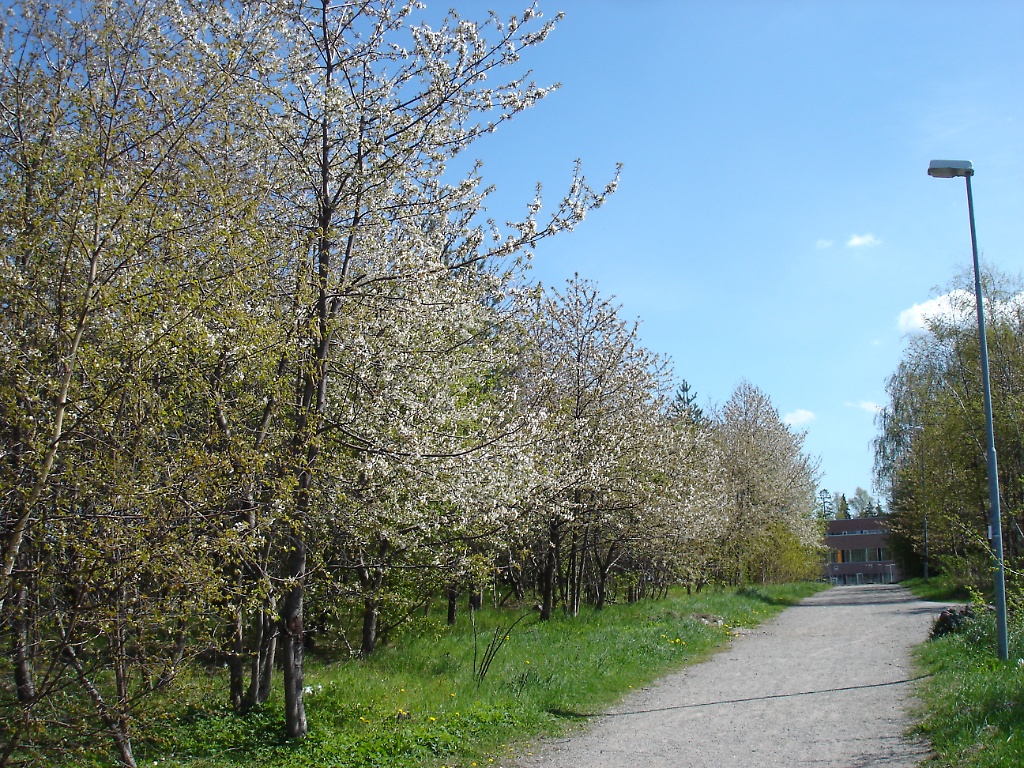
417	703
972	705
941	589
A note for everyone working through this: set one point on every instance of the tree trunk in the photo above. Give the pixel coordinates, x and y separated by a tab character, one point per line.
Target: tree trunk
174	663
453	606
517	584
236	663
548	578
547	588
264	650
24	681
292	646
581	568
12	547
371	614
602	582
114	722
604	568
572	576
311	388
371	578
23	678
120	658
268	652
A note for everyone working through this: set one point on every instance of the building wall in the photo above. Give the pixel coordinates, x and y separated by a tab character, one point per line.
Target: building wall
859	552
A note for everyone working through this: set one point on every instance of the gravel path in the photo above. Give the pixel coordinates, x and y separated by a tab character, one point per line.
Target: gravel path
826	683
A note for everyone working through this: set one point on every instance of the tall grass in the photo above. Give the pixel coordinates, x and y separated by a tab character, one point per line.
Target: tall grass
973	705
420	702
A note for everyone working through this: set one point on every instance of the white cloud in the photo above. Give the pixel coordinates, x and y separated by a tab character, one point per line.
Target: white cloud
823	244
798	417
865	405
1010	309
949	307
862	241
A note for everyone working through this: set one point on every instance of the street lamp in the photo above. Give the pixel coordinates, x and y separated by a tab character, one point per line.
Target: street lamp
949	169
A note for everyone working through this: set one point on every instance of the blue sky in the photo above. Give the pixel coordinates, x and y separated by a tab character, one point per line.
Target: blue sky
774	216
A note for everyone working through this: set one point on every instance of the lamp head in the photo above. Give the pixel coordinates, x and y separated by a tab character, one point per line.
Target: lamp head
948	169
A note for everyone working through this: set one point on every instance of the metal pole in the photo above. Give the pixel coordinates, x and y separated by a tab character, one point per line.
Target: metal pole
926	546
924	498
993	476
924	507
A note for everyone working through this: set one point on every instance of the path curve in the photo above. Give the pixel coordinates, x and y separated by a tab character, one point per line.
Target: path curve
825	683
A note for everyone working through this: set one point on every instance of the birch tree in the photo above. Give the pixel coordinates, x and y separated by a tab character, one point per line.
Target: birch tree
930	450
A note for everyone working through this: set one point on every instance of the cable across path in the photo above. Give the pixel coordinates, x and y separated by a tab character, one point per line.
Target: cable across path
826	683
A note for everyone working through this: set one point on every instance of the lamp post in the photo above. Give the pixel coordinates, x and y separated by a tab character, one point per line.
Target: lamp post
924	505
949	169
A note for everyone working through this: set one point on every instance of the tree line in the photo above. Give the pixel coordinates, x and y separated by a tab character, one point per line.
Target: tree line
835	505
269	372
930	454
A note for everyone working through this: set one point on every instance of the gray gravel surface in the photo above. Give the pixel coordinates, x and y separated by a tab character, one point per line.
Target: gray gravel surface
826	683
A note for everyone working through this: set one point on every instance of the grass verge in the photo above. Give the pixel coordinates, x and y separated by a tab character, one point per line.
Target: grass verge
419	703
973	704
940	589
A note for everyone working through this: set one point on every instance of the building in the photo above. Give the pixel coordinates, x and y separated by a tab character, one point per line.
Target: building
859	553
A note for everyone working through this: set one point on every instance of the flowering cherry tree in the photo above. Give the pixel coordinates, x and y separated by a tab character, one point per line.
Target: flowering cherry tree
358	108
268	367
771	484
